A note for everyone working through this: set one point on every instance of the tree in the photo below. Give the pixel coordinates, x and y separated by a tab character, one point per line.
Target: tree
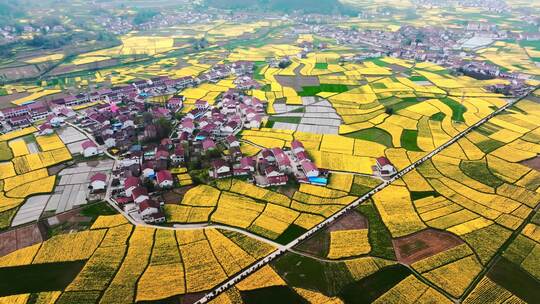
284	63
144	16
164	127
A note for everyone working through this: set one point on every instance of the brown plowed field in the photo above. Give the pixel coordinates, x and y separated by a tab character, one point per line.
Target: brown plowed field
418	246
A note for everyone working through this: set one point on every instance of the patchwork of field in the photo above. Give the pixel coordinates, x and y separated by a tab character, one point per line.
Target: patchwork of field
314	116
264	212
446	220
72	138
24	173
72	188
478	190
124	264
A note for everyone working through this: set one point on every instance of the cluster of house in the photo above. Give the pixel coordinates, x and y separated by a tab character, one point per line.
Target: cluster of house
137	202
25	115
142	88
444	46
271	167
143	170
120	126
197	134
229	115
220	71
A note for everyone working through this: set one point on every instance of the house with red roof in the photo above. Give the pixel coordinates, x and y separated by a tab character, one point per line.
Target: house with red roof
201	104
161	154
175	103
310	170
297	147
245	167
277	180
384	167
208	145
220	169
89	148
164	179
282	160
148	169
232	141
45	129
131	183
150	212
187	126
179	154
254	122
268	156
98	182
139	194
302	156
148	207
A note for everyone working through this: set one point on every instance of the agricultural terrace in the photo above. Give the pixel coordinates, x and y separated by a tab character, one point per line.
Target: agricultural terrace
265	212
447	220
387	107
24	159
116	262
140	55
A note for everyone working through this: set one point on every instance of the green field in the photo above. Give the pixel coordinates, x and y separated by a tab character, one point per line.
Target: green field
457	109
38	277
409	140
379	236
373	134
314	90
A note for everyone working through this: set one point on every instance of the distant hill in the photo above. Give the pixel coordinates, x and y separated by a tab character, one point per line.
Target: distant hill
286	6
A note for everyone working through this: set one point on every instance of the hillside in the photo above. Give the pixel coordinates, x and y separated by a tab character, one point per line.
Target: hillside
287	6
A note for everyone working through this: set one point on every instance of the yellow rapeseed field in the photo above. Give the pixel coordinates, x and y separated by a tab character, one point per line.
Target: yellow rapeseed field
264	277
44	185
17	133
20	257
99	270
259	193
15	181
455	277
347	243
317	297
125	281
202	269
69	247
365	266
442	258
6	170
308	221
18	147
230	256
236	210
488	291
410	290
187	214
109	221
274	220
49	142
397	212
201	195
